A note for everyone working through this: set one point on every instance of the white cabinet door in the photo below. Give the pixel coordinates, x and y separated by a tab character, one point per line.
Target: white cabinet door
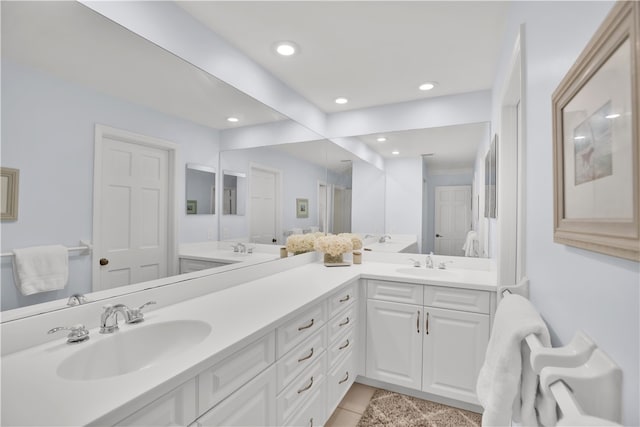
455	343
252	405
394	343
176	408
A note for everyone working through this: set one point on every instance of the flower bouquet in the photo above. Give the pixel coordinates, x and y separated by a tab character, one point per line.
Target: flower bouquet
333	247
302	243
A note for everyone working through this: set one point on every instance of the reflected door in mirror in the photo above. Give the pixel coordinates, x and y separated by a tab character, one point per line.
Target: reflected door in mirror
452	219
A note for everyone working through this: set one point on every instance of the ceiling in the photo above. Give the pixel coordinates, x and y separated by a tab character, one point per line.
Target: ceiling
371	52
74	43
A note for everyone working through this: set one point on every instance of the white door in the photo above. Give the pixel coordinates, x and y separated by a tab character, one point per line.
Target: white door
394	343
455	343
264	223
452	219
131	211
252	405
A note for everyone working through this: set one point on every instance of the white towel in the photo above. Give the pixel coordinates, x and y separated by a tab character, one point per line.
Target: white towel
41	268
507	386
471	244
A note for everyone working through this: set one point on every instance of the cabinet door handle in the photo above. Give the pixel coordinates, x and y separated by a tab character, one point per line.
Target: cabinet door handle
418	322
310	422
426	326
343	346
345	378
306	387
302	359
307	326
345	299
346	322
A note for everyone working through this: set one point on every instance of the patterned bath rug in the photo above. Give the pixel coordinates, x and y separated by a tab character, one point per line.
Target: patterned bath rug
390	409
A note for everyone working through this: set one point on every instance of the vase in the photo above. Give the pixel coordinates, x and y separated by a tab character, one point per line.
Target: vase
333	259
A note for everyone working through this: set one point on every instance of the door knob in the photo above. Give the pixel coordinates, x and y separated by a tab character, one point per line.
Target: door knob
104	261
439	235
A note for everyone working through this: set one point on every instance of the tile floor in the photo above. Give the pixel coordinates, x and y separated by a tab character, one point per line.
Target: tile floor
352	406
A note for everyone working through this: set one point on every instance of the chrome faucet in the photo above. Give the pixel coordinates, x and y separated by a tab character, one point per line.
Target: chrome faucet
429	261
78	333
239	247
384	238
77	299
131	315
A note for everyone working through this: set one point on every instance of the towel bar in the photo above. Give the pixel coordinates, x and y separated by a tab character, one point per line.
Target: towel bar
85	247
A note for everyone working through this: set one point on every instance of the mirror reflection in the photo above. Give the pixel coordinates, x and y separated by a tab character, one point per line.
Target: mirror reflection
201	189
234	187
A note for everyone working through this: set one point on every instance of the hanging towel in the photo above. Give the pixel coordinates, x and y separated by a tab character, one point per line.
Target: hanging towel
41	268
507	385
471	244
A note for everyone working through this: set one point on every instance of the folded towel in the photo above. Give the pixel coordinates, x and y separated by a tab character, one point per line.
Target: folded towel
471	244
507	385
41	268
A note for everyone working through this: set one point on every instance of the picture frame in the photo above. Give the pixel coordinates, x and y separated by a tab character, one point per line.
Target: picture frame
9	179
192	207
302	208
595	141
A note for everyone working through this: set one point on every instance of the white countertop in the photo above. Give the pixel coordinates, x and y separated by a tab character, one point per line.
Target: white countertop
33	394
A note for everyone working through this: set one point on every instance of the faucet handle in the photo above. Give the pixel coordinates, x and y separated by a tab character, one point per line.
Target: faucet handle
78	333
442	265
135	314
416	263
77	299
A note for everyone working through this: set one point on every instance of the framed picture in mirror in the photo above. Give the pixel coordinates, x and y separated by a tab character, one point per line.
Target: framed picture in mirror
595	141
192	207
9	193
302	208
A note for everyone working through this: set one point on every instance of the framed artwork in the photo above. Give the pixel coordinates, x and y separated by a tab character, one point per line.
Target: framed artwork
595	141
302	208
9	193
192	207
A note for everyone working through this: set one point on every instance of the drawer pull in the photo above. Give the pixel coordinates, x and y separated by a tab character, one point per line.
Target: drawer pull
345	299
306	357
427	324
307	326
343	346
344	379
310	422
418	322
305	388
346	322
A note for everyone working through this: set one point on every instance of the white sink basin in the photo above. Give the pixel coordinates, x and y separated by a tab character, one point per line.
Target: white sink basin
429	273
131	350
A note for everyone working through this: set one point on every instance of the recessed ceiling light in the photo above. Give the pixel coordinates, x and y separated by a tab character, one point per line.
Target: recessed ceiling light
233	119
395	153
427	86
286	48
381	139
341	100
613	116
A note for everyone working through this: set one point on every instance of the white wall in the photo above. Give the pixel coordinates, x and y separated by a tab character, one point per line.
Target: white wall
48	133
368	199
574	289
403	197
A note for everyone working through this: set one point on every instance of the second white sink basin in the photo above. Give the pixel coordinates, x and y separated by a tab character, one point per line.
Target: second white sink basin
131	350
429	273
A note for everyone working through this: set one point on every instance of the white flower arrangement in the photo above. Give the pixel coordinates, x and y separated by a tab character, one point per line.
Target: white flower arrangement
301	243
355	240
333	245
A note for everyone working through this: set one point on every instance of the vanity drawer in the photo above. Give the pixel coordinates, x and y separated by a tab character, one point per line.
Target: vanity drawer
342	322
300	327
342	298
340	379
302	389
224	378
343	345
457	299
294	362
406	293
312	413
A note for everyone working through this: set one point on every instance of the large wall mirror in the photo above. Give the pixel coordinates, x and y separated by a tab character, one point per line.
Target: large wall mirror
65	69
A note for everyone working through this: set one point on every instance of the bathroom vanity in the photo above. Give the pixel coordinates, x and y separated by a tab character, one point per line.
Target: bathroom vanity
280	344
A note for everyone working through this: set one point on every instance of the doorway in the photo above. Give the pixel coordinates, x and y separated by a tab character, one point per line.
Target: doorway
133	215
452	219
265	217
